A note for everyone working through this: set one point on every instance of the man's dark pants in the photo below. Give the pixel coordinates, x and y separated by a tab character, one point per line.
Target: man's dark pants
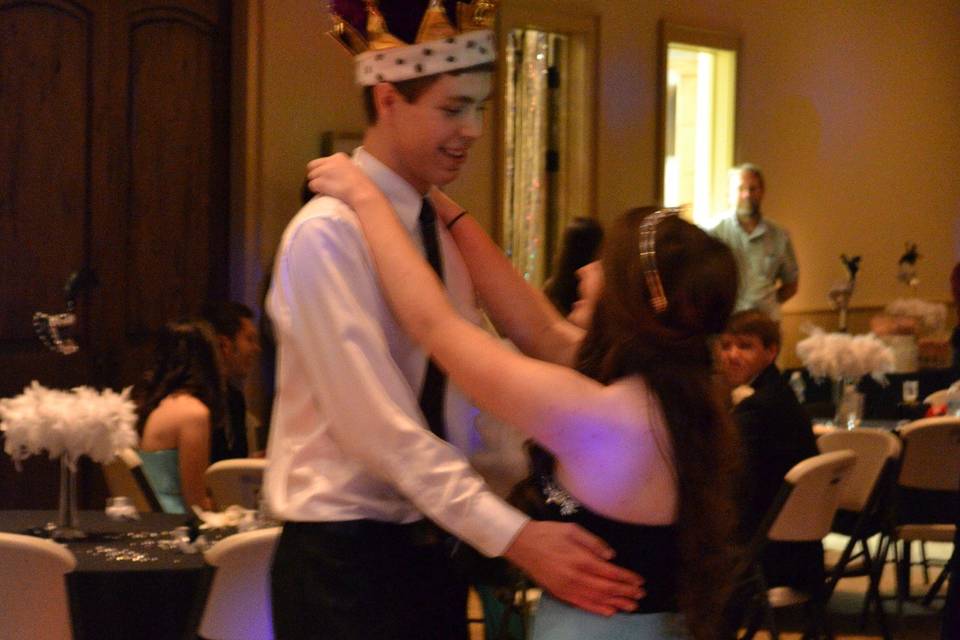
366	580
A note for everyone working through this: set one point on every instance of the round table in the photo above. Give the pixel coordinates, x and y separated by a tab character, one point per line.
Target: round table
130	580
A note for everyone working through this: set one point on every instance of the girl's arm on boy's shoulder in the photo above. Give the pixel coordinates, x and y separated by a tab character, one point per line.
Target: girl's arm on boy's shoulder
519	311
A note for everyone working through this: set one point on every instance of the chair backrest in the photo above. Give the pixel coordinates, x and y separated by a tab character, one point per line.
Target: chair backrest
931	454
238	605
125	477
813	488
33	590
235	481
937	398
876	451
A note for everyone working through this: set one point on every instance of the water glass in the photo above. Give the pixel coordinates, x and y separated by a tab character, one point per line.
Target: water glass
851	410
910	391
121	508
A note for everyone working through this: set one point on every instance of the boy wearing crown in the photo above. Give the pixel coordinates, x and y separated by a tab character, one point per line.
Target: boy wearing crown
367	443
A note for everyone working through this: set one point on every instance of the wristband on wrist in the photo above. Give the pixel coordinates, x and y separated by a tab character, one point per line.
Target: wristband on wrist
456	219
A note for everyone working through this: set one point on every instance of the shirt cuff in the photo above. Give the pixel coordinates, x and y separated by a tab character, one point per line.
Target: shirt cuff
499	526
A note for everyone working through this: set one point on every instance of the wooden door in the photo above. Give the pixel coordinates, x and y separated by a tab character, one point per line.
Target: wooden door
115	143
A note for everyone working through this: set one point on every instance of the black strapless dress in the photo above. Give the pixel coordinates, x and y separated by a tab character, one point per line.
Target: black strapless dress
649	550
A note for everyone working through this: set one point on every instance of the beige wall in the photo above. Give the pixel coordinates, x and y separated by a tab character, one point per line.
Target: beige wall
852	108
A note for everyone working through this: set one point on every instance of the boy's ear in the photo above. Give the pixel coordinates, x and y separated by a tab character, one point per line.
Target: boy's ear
385	98
773	351
225	345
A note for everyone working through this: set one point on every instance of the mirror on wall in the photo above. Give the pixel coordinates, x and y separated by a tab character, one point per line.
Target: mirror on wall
697	92
545	131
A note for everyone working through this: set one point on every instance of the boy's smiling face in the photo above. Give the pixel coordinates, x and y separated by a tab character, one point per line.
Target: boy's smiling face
433	134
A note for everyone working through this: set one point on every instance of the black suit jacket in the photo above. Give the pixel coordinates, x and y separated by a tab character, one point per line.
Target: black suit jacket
776	433
230	440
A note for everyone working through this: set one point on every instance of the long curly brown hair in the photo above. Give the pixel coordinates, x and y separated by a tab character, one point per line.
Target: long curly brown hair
672	353
185	360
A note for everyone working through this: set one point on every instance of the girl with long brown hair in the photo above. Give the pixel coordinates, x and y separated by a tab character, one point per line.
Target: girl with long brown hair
641	447
180	401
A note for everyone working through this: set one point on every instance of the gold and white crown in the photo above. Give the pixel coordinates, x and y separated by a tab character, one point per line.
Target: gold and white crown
438	48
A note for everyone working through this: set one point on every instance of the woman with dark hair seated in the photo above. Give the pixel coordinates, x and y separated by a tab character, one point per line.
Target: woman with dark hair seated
180	400
642	445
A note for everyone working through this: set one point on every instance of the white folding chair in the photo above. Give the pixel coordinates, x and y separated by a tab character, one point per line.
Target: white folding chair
802	512
929	468
125	477
235	481
864	505
238	606
937	398
33	589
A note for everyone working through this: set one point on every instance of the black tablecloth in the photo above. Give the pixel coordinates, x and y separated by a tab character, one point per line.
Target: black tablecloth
130	582
881	401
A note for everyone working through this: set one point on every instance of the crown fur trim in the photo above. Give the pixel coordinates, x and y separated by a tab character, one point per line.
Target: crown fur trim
427	59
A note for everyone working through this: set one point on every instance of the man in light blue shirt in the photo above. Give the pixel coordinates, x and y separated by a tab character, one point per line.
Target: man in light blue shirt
769	275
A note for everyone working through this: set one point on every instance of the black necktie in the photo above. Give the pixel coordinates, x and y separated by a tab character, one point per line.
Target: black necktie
434	382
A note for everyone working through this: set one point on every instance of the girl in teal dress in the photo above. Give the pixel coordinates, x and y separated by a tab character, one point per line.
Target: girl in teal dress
180	400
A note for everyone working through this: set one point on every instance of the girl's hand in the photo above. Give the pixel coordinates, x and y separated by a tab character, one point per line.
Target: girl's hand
339	177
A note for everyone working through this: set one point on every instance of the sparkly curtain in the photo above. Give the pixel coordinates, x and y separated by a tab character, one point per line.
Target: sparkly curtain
526	134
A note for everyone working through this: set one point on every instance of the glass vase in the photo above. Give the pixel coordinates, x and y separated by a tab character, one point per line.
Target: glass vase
68	522
848	403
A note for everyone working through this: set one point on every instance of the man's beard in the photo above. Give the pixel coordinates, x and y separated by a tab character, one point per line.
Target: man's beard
747	209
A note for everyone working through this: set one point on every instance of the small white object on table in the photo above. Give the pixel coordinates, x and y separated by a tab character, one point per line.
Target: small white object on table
822	427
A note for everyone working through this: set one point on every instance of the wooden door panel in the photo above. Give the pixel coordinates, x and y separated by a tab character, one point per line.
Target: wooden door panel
44	204
46	75
177	127
171	158
115	140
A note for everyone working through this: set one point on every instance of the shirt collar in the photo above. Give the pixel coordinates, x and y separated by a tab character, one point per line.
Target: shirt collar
758	231
405	199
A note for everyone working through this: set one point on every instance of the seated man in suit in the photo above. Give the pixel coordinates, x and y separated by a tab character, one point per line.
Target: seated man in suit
775	432
239	346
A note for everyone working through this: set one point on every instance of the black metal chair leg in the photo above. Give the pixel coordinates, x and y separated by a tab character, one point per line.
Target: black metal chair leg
869	562
936	586
818	622
873	591
903	575
923	561
841	566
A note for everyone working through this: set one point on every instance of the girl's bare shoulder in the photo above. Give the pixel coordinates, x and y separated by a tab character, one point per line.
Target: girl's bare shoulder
182	406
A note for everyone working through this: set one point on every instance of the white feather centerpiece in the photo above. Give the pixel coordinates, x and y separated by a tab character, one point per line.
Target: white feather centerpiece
67	425
842	356
845	359
932	316
82	421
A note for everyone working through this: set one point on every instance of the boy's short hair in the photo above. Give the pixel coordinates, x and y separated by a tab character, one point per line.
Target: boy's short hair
755	323
416	87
